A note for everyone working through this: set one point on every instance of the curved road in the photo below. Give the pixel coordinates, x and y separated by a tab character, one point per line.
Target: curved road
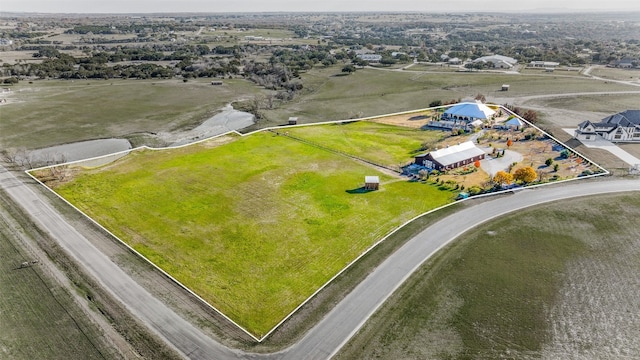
332	332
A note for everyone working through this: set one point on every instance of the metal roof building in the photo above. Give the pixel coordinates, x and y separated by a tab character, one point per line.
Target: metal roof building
471	111
451	157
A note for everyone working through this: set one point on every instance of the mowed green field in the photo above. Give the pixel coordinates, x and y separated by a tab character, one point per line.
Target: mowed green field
380	143
52	112
38	319
254	226
554	281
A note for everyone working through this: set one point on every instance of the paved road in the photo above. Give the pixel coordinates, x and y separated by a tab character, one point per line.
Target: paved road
351	313
166	323
330	334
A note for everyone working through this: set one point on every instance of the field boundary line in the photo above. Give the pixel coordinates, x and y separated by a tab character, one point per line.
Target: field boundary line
145	258
605	171
272	129
455	237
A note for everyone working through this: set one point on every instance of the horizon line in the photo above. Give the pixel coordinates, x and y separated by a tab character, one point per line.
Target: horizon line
530	10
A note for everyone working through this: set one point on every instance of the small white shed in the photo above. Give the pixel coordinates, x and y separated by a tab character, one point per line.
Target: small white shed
371	182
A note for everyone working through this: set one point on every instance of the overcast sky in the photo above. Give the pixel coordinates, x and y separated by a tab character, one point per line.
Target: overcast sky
150	6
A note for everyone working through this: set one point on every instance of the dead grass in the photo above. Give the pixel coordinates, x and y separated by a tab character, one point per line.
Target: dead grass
414	120
633	149
557	282
616	74
477	178
12	57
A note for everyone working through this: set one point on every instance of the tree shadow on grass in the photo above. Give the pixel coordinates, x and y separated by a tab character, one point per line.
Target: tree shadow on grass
360	190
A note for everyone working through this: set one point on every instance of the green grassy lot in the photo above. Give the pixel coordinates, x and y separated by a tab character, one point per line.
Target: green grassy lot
38	319
50	112
382	144
331	96
254	226
491	293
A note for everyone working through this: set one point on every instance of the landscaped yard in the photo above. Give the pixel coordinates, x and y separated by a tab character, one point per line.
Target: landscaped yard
254	226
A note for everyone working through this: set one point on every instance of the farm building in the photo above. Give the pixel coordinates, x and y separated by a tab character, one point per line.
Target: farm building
464	116
624	126
451	157
293	121
371	182
544	64
497	61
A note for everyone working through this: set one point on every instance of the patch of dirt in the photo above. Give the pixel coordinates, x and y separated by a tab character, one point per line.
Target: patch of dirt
218	141
414	120
633	149
598	309
477	177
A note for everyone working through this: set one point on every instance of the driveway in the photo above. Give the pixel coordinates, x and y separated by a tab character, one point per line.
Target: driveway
607	145
492	165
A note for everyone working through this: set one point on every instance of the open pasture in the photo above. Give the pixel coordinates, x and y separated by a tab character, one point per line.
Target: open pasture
437	68
605	104
52	112
555	281
38	318
616	74
263	36
332	95
254	226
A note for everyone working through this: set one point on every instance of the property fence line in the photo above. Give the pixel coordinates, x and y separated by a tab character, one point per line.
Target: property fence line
605	171
348	266
134	251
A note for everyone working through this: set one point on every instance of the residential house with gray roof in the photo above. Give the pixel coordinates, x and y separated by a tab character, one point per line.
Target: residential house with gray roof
621	127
